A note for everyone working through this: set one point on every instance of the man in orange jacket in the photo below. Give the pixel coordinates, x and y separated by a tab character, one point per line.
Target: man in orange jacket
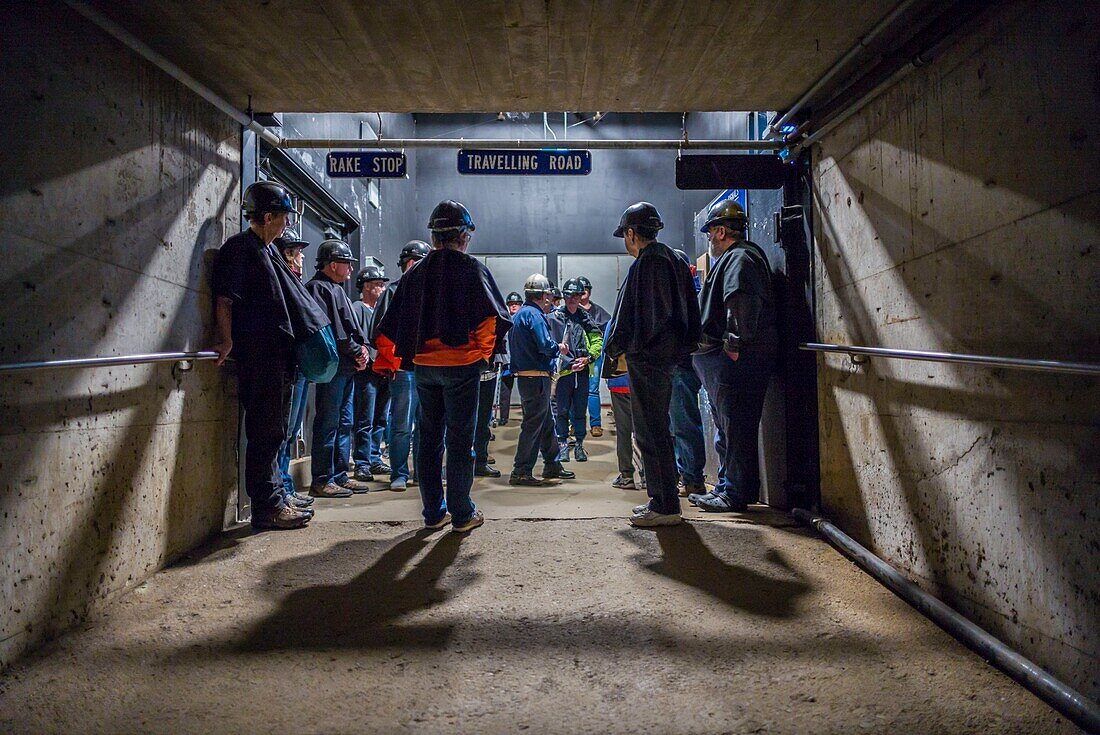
448	319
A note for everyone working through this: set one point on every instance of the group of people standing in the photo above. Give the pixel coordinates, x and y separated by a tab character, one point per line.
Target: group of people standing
419	358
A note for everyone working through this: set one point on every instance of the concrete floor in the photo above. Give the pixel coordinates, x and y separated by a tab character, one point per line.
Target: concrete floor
555	617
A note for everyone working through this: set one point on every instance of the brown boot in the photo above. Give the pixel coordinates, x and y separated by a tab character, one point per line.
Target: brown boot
279	518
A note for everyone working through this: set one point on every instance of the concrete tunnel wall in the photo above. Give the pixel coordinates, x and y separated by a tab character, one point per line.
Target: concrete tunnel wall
960	212
114	190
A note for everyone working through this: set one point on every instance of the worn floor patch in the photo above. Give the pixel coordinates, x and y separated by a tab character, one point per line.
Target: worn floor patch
563	626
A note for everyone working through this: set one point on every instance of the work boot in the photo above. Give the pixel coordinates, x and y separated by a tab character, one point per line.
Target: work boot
556	471
579	454
651	518
362	474
380	468
279	518
563	453
597	431
484	470
328	490
295	501
527	481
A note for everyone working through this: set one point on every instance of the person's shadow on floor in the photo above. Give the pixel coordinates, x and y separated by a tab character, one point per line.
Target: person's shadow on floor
366	612
686	558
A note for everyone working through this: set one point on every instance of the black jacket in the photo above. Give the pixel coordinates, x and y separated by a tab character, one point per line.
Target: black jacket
345	326
445	296
657	315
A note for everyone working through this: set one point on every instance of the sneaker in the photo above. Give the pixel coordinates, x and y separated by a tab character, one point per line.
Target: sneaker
624	482
556	471
484	470
440	523
692	488
399	484
474	521
563	453
329	490
302	498
380	468
280	519
579	454
362	475
527	480
356	486
720	504
651	518
597	431
639	509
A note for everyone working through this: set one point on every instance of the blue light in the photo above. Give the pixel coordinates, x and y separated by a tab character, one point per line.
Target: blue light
788	128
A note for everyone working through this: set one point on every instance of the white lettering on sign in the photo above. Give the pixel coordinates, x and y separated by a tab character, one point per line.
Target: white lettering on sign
565	163
387	165
344	165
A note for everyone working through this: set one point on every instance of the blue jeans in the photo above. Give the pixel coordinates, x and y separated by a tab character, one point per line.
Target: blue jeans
736	391
332	430
594	418
404	428
687	425
448	412
572	403
298	398
372	405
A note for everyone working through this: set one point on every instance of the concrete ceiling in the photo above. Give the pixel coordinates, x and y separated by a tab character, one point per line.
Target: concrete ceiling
493	55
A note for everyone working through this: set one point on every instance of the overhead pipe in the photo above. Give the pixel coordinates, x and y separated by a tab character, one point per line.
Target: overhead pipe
1077	707
512	144
919	51
139	46
772	130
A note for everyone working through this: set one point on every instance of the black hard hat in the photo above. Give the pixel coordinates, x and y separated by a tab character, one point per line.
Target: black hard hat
642	214
290	240
728	213
450	215
413	250
331	251
266	196
572	287
585	282
514	298
556	292
369	273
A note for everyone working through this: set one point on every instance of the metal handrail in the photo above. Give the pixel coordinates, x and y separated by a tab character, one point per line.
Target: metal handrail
1045	366
90	362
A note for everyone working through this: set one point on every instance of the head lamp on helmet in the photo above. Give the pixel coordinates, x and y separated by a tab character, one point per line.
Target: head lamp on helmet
727	213
641	215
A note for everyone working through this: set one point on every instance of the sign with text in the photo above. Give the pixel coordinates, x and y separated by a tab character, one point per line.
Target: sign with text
534	162
366	165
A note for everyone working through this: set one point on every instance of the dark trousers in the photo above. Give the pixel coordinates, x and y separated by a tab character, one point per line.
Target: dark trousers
372	407
536	432
650	397
482	432
572	394
265	380
331	445
736	391
506	383
448	408
687	425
